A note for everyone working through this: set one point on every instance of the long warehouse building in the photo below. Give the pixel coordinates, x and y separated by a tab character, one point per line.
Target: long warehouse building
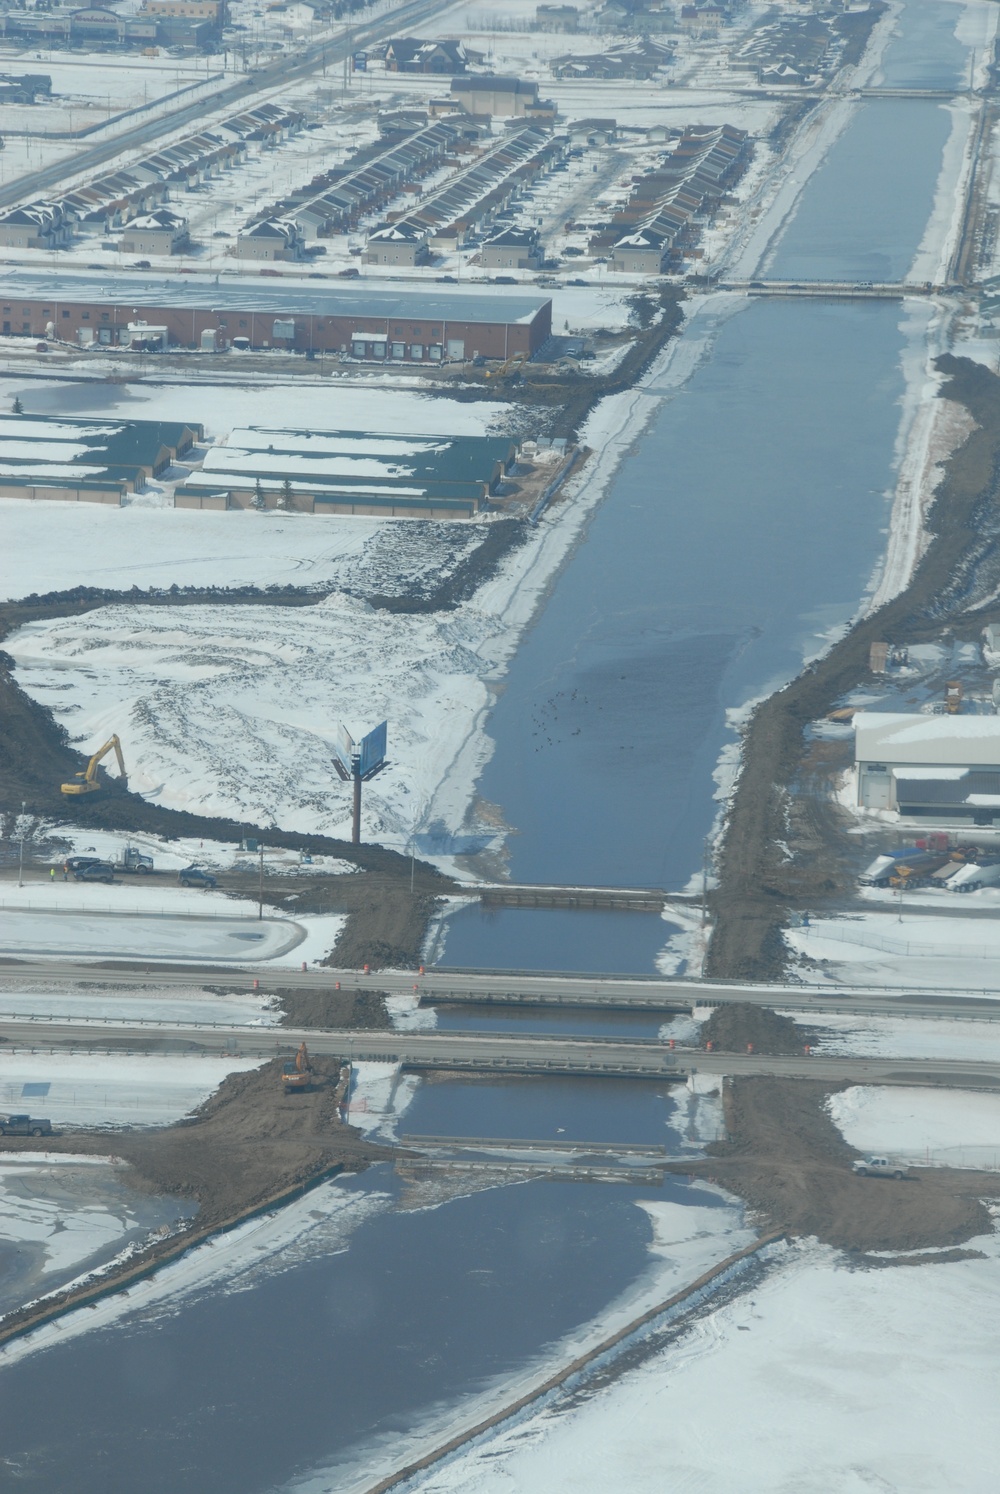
374	324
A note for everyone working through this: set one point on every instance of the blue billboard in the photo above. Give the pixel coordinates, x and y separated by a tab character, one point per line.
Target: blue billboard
371	751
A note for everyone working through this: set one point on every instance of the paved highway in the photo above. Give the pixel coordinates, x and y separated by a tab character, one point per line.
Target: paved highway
486	1052
511	988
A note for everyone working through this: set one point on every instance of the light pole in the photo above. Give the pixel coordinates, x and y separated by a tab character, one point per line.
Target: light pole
260	894
20	847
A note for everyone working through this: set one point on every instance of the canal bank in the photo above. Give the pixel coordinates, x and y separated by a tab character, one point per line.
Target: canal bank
743	531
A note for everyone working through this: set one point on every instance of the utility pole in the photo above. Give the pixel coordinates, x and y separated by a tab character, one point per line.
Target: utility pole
356	820
260	893
20	852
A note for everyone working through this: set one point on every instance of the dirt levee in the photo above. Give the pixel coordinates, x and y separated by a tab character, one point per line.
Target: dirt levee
346	1010
787	1160
732	1028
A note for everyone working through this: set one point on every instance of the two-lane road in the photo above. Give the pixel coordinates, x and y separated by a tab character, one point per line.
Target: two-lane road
497	988
483	1052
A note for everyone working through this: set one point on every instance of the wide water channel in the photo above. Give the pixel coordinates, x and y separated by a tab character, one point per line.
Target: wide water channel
742	526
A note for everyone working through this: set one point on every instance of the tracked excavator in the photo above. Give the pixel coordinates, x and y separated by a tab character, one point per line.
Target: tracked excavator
297	1074
87	782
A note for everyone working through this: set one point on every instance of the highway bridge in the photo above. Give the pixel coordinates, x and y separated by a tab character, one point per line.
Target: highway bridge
480	1053
500	988
837	290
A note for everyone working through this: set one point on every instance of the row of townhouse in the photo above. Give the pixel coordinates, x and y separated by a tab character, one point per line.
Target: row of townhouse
469	202
668	205
374	176
117	199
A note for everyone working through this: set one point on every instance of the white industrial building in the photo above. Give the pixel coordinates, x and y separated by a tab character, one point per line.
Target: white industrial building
943	767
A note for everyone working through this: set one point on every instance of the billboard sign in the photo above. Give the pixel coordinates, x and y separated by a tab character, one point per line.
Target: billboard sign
343	746
371	751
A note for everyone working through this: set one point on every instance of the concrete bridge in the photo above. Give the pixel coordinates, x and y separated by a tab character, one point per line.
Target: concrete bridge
571	990
479	1053
826	290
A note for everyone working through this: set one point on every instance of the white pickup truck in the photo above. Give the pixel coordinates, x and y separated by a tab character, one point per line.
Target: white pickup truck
880	1167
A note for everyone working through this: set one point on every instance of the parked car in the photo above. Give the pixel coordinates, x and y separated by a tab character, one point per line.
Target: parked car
24	1125
351	273
95	871
194	876
879	1167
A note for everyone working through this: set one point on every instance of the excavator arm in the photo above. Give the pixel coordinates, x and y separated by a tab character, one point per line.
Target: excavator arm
86	782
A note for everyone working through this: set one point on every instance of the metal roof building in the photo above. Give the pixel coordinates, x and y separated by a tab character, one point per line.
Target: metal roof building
377	323
945	766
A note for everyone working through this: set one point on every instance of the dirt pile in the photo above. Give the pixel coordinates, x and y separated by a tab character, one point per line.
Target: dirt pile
732	1028
337	1010
787	1160
248	1143
249	1146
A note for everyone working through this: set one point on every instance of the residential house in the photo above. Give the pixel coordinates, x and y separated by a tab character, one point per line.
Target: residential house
397	244
160	232
513	249
274	238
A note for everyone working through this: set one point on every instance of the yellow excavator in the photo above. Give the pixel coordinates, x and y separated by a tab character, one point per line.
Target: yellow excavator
297	1073
87	782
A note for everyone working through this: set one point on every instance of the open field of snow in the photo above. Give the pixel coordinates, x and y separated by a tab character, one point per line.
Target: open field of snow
141	1004
63	931
88	1089
959	1127
821	1380
897	1037
880	949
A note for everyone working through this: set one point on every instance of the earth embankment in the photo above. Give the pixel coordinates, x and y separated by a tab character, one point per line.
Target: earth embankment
786	1159
759	883
248	1147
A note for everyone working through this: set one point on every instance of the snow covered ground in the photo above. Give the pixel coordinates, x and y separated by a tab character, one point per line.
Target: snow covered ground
917	949
84	1089
897	1037
62	931
821	1380
952	1127
138	1004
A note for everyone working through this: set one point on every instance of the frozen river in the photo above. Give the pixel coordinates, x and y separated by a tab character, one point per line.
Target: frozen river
740	530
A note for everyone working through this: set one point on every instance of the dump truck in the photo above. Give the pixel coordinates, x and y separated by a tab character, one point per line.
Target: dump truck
297	1074
87	782
882	868
975	874
914	871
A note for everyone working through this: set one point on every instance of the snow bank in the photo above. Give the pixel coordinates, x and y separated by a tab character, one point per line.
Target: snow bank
882	949
956	1127
820	1380
145	934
